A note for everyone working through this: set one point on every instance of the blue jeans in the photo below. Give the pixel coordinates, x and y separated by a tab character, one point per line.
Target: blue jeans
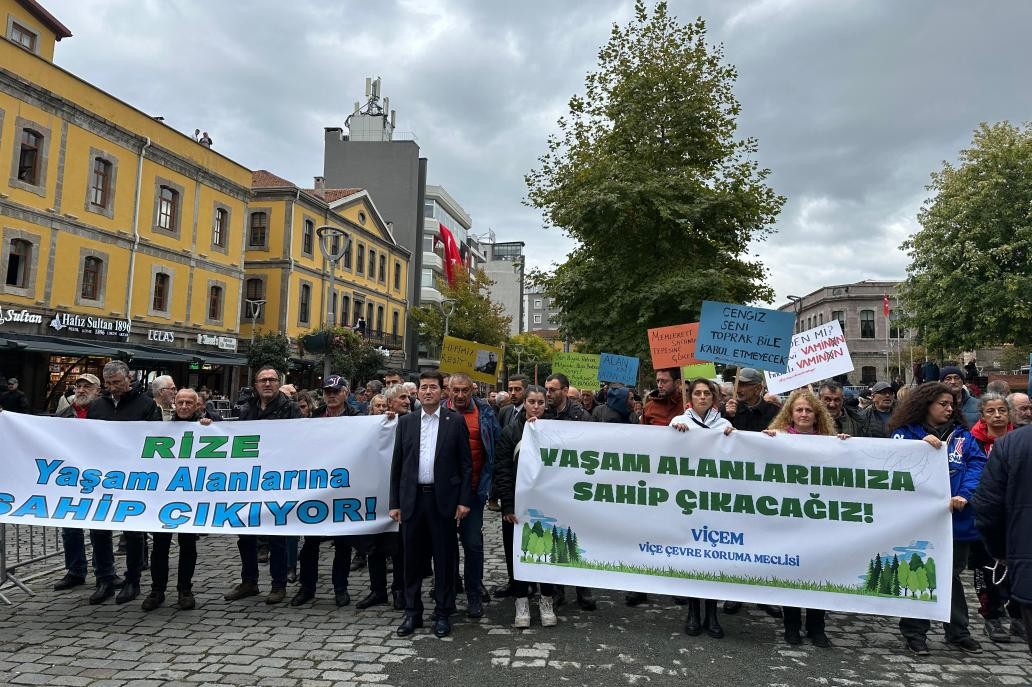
74	542
247	544
472	537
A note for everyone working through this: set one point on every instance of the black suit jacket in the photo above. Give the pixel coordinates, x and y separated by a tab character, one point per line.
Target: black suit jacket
453	464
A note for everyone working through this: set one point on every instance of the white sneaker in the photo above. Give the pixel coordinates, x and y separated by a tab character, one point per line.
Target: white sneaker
548	618
522	612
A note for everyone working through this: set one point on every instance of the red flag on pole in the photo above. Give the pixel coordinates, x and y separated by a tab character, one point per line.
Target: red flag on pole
885	305
452	259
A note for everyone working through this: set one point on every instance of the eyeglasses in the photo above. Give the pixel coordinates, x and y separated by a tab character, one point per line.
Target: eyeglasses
267	380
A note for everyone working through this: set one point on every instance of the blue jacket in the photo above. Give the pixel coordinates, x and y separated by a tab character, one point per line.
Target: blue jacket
970	408
490	431
966	461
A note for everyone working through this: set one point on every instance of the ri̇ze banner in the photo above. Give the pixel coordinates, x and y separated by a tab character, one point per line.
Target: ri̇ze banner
859	525
326	476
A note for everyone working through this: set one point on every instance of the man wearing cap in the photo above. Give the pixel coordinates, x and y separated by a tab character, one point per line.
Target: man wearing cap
14	399
968	405
269	403
335	393
87	388
874	419
749	412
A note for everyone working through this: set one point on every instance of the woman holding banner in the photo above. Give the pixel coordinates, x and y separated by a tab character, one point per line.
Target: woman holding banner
803	413
928	415
701	412
507	456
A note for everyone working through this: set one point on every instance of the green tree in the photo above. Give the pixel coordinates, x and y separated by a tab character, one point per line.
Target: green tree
352	356
930	574
975	246
476	317
1013	357
903	575
885	580
575	549
894	587
525	350
915	561
870	574
919	580
269	349
874	579
647	175
525	535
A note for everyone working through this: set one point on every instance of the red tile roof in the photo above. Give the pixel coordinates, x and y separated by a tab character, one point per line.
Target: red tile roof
50	21
263	178
332	195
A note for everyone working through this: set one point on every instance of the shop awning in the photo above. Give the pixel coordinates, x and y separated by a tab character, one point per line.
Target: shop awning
57	345
221	358
157	355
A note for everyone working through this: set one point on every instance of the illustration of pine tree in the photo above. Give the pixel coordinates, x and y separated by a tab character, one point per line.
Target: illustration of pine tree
915	562
895	588
930	574
872	583
538	529
555	550
574	549
885	581
870	573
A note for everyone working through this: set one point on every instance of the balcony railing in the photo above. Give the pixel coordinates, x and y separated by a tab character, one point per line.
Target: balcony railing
392	341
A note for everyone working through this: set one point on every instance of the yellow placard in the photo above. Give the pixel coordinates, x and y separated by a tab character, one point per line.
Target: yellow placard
481	362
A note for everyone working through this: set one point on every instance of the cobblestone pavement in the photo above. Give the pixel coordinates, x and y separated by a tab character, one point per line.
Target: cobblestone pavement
58	639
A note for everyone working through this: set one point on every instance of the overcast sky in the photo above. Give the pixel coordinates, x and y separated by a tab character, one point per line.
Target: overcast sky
853	103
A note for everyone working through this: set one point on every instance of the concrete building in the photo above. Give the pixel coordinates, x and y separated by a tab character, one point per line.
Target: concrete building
371	157
859	308
542	314
505	267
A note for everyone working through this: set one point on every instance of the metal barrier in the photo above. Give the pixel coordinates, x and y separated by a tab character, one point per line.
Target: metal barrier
30	551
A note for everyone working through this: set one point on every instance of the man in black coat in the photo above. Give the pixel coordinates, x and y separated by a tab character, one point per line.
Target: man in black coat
1003	514
14	399
122	401
431	491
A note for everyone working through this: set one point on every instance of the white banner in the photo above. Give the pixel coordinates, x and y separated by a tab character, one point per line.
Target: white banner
858	525
816	354
315	476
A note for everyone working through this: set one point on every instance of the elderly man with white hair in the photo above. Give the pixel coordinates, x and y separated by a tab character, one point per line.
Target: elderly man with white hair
163	389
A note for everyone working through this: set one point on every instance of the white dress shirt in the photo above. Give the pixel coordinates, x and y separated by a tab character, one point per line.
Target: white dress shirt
429	423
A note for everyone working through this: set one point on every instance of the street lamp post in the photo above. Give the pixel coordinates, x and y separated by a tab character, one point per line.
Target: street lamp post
333	249
447	309
254	309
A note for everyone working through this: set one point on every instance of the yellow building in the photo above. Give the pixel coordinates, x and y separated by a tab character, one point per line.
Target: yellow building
287	269
121	237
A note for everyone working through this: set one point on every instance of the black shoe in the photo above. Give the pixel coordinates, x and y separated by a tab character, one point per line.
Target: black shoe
819	639
68	582
119	582
918	646
358	562
792	636
105	590
442	626
585	600
633	599
732	607
474	608
968	644
711	621
772	611
503	590
372	599
485	596
302	597
399	601
410	624
128	592
994	630
153	600
187	602
342	598
692	625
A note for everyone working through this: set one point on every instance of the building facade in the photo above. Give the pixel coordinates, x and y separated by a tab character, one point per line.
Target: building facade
121	237
505	267
287	285
542	313
879	348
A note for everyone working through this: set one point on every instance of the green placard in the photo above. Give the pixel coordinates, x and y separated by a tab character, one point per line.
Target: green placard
581	368
707	370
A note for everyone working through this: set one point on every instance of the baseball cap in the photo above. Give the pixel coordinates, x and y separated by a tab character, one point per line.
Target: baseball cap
87	377
12	380
335	382
748	375
879	387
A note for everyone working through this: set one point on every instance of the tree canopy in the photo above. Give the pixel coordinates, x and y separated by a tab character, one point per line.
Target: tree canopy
477	317
971	262
646	173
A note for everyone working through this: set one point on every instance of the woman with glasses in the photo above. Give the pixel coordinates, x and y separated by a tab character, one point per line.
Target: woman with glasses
991	583
929	415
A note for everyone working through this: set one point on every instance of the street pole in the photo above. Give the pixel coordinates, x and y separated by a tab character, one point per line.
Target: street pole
328	235
254	308
447	309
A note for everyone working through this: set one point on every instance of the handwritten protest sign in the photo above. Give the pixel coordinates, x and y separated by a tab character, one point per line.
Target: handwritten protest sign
673	346
816	354
482	363
707	370
618	368
741	335
580	368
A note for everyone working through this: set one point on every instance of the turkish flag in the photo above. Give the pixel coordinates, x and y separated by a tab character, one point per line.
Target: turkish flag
452	259
885	305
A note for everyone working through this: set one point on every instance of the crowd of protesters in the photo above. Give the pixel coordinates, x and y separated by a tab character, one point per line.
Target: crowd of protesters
440	500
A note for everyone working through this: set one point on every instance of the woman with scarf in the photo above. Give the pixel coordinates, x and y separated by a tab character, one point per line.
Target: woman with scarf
803	413
929	415
991	584
701	413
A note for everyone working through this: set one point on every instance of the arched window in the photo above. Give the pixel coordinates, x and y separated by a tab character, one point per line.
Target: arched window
92	268
100	184
215	303
308	237
29	156
219	227
168	199
305	306
161	282
379	319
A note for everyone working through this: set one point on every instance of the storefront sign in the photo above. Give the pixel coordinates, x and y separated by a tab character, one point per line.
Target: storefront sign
90	324
225	343
161	336
24	316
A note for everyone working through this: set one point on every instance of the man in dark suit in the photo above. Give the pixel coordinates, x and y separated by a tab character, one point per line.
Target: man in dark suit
431	492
